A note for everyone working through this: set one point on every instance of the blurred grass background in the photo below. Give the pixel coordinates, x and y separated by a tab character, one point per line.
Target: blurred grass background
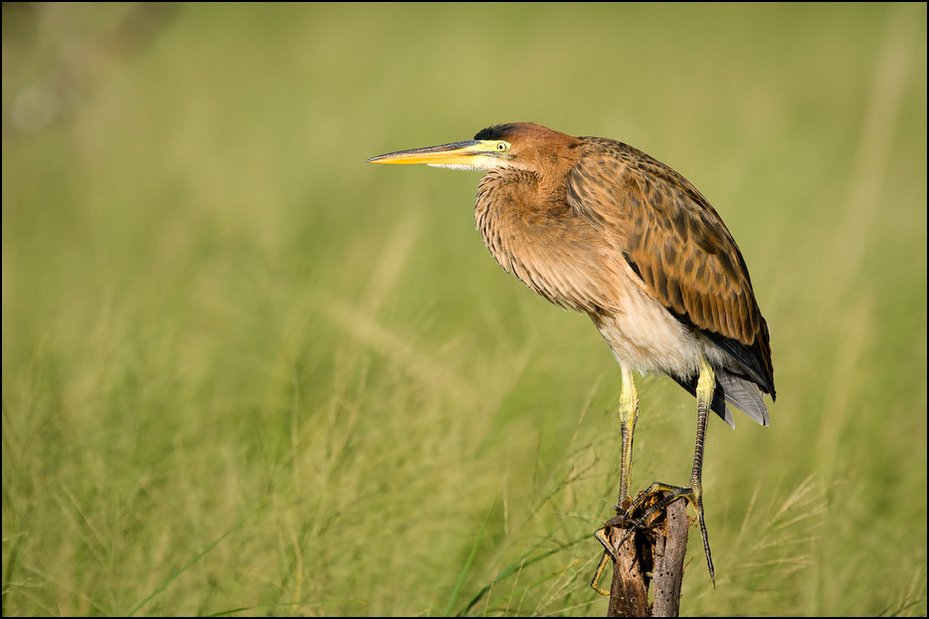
220	325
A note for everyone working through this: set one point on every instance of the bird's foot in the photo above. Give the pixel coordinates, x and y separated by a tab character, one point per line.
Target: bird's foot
693	495
630	515
642	513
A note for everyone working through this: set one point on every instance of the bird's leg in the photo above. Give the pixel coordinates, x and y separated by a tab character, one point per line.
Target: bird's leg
628	414
706	385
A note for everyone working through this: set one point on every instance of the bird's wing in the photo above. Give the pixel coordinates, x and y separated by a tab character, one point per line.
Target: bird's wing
677	244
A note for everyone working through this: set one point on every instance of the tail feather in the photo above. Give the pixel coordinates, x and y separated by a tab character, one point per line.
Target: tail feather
735	390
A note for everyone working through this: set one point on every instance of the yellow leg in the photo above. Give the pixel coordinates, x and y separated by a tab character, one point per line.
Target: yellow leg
706	385
628	415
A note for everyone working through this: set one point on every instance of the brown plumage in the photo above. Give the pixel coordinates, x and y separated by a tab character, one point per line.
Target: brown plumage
600	227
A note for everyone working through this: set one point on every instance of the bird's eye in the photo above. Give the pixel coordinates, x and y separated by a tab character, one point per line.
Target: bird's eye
502	147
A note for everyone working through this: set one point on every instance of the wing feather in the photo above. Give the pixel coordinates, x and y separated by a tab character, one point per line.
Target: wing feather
682	251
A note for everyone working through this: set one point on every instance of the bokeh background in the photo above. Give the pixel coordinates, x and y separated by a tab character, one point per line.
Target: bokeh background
243	371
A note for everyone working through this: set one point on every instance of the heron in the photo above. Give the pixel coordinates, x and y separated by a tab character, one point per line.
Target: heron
594	225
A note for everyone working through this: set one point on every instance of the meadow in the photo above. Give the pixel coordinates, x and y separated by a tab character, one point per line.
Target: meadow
244	372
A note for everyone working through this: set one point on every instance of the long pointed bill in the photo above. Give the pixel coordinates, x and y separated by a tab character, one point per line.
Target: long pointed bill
467	155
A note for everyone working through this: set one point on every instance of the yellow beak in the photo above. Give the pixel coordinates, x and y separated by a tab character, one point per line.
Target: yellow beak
467	155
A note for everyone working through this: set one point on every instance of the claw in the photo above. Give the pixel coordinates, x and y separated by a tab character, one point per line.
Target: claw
693	495
622	520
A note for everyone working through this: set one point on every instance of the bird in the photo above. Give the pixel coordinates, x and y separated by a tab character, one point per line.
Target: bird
594	225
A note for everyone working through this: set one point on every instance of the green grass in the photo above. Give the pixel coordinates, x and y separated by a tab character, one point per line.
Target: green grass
245	372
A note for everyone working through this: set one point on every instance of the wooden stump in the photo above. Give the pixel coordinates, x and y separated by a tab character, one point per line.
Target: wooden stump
653	554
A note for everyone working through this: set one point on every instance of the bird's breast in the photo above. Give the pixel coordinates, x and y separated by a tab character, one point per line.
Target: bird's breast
535	235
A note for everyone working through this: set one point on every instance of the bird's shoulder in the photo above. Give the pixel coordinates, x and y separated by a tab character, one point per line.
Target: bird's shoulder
619	171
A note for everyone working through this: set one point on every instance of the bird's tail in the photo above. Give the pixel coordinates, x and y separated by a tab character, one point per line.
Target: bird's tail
735	390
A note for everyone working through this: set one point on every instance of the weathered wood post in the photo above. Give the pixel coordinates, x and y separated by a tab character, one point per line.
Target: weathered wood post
652	555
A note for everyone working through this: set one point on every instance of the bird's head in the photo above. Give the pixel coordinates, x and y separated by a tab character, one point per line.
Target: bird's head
514	145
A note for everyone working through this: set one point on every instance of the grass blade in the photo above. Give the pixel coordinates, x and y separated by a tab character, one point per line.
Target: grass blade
175	576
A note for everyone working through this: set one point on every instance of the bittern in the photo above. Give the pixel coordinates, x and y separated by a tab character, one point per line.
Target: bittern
597	226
